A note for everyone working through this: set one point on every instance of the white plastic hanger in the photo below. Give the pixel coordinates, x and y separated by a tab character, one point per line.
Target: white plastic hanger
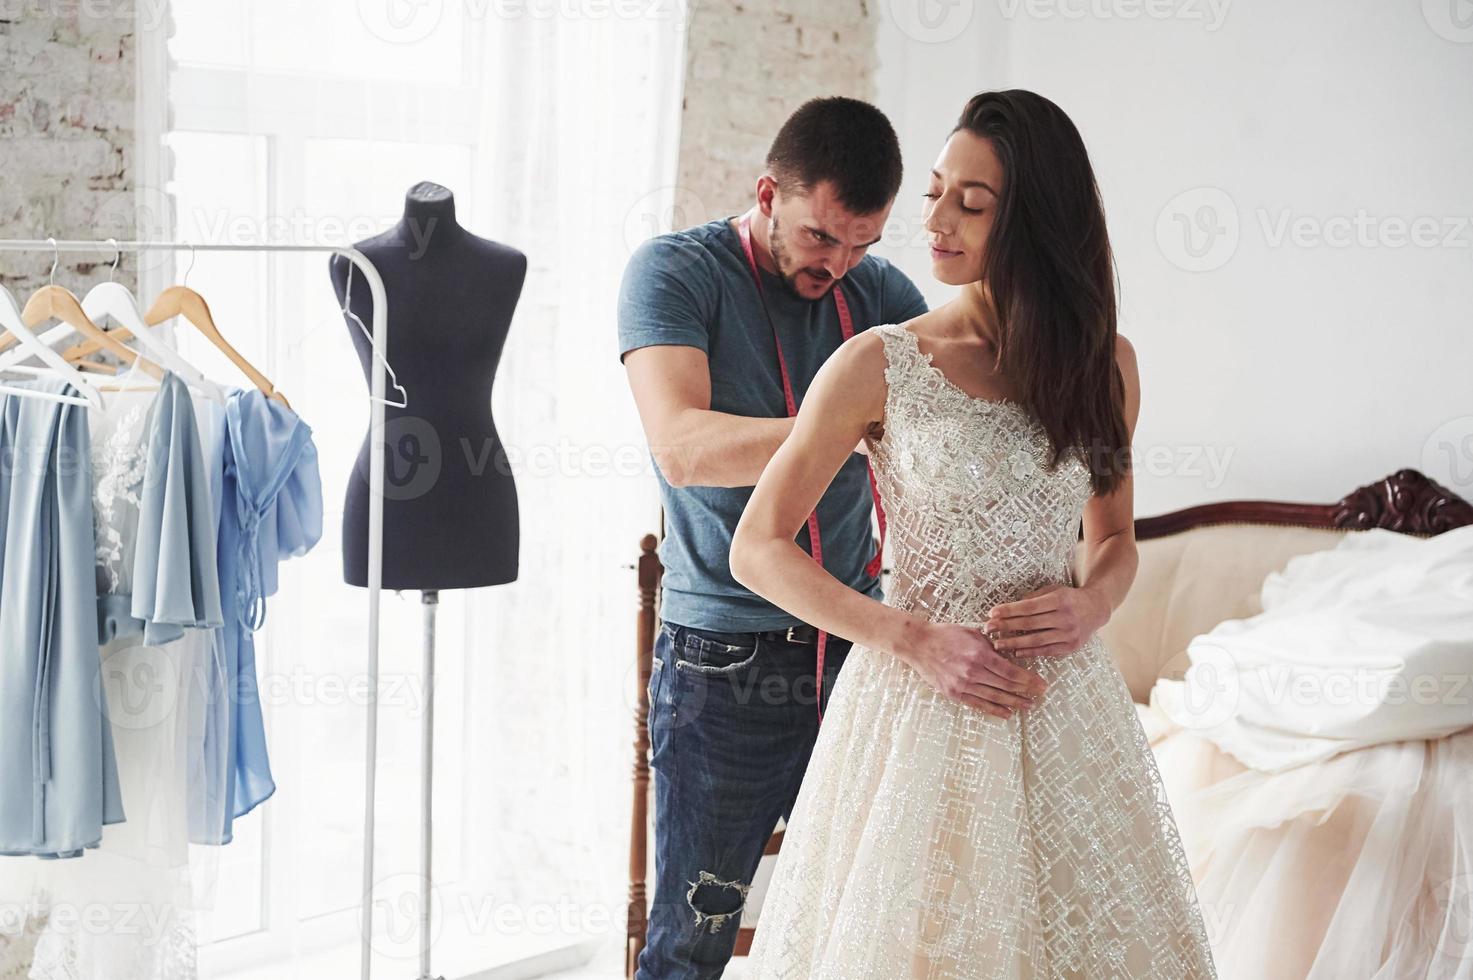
10	319
53	302
112	299
13	355
388	368
9	360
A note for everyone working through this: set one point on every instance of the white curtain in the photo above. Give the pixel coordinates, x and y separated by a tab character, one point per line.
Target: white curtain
579	137
556	126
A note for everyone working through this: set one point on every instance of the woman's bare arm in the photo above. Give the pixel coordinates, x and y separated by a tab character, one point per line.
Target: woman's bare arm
846	398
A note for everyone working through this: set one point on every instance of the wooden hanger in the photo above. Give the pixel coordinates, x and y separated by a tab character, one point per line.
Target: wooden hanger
181	301
185	302
53	302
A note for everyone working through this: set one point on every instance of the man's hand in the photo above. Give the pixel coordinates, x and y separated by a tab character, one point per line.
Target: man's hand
876	431
1051	622
961	663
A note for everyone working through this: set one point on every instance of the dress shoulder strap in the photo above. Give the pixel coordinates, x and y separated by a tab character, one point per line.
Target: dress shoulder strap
902	352
906	383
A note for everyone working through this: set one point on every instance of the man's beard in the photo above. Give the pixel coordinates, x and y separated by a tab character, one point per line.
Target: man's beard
780	259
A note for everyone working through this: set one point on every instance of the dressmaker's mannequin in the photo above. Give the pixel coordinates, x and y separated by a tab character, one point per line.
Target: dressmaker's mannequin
450	504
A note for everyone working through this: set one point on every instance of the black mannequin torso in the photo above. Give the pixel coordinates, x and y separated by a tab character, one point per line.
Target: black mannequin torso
450	504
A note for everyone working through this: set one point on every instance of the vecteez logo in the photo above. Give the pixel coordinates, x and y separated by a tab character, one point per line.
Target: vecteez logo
401	21
1198	230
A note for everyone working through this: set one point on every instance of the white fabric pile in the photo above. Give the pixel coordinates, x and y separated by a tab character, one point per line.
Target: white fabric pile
1365	643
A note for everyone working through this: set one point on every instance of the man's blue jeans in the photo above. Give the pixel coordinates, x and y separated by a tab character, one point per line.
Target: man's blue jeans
732	724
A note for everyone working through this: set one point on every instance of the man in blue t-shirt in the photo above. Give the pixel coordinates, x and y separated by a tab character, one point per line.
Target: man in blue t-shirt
732	712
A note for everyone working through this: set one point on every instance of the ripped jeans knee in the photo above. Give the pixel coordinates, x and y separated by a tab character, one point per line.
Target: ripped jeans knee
715	900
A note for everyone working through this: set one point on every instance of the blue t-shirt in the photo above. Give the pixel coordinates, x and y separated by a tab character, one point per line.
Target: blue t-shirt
694	288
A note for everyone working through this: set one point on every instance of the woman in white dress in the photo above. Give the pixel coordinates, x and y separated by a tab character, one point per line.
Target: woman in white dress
982	801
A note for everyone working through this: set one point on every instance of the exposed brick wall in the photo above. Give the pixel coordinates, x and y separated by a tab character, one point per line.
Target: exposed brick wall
749	64
67	130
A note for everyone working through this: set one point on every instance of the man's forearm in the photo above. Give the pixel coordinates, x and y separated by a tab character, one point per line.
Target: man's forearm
717	449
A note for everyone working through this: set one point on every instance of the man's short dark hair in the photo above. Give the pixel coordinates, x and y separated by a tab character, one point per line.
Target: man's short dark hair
842	140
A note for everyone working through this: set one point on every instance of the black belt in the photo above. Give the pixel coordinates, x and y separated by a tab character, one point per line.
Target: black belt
802	633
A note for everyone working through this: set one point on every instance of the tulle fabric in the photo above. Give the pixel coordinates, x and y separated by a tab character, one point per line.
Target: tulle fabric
1360	866
932	841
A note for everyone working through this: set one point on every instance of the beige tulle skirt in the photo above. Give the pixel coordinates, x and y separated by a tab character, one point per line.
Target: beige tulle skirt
931	841
1356	868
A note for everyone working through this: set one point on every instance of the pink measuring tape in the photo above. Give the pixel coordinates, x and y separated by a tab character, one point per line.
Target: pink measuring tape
846	326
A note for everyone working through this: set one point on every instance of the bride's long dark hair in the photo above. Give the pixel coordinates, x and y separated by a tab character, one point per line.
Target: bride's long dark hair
1050	270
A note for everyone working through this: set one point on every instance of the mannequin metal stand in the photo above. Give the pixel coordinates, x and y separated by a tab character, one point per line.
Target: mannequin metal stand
431	600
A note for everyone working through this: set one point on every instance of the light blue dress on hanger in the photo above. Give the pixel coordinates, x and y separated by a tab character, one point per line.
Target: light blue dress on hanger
270	510
58	777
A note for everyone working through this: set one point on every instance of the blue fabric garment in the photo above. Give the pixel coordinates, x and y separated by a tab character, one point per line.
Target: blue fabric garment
271	510
58	775
175	582
155	505
693	288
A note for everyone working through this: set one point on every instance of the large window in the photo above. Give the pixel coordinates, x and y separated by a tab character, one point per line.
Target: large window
307	123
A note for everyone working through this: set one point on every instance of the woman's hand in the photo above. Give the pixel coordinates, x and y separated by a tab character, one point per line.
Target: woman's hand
1051	622
962	664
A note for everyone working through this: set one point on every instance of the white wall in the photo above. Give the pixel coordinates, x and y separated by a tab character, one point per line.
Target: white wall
1270	366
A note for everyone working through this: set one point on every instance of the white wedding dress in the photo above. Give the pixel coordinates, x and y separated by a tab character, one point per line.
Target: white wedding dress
930	840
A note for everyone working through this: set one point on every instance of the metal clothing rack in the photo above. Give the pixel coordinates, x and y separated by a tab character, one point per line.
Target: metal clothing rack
375	497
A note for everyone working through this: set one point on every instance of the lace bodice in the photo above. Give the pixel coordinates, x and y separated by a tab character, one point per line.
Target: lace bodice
119	459
975	516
